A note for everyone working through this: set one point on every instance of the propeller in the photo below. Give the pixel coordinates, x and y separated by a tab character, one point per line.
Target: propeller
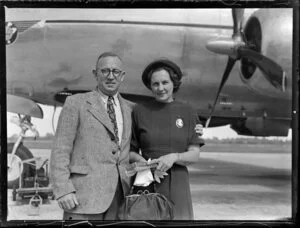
236	49
272	71
237	17
230	63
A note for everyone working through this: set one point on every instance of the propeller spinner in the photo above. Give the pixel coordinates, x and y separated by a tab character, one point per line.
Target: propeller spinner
237	48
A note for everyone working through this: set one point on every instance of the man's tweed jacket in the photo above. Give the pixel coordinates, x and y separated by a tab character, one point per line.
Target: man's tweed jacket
84	157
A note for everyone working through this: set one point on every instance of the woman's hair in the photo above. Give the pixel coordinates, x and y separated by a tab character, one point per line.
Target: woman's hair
173	76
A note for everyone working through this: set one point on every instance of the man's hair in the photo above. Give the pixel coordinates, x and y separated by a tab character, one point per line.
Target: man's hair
107	54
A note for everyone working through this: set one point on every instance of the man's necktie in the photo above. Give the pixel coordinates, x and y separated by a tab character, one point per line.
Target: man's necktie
112	115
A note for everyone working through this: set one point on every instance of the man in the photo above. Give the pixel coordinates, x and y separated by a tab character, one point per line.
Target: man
91	147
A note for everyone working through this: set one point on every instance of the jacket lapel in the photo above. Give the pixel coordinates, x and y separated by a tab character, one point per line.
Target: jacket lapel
98	110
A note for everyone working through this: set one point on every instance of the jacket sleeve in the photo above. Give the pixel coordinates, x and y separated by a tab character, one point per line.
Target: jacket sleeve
134	143
62	148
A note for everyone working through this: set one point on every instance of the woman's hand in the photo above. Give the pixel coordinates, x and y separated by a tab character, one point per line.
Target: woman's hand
199	129
164	162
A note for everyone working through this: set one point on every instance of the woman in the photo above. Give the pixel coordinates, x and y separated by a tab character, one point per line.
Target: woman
164	130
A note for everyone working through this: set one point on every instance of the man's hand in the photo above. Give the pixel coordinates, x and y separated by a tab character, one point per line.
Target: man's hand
68	202
199	129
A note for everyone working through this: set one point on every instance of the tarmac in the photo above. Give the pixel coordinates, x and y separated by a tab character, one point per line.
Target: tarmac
224	186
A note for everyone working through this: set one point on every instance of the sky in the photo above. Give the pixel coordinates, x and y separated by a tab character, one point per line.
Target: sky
44	126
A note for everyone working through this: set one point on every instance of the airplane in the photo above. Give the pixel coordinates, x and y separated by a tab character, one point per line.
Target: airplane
236	63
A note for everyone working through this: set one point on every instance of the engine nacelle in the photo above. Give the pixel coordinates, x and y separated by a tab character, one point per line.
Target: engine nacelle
262	126
269	31
24	106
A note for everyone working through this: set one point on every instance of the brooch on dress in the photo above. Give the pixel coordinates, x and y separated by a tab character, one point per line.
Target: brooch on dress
179	123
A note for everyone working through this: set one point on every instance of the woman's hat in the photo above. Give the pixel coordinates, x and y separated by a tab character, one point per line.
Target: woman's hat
160	63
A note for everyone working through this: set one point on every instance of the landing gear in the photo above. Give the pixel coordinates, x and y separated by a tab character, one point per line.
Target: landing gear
14	193
17	168
17	152
27	175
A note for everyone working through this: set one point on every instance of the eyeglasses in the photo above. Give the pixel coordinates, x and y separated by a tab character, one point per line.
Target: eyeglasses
115	72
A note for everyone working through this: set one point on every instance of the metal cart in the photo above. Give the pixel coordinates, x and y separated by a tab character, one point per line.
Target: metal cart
39	184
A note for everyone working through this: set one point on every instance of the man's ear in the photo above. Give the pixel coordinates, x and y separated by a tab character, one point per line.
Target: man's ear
122	76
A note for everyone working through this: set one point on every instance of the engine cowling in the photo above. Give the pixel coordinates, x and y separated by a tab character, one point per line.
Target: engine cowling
269	31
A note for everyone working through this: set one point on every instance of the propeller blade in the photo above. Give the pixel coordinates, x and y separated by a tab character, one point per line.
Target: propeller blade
273	71
229	66
237	17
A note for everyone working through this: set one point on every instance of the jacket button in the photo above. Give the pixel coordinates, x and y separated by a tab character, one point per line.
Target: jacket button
113	152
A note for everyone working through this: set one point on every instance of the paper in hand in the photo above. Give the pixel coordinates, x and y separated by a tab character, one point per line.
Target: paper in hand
143	178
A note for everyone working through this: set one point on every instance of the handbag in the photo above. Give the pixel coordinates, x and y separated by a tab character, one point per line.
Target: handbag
145	205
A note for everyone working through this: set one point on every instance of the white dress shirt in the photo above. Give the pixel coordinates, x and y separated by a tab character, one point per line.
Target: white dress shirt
119	116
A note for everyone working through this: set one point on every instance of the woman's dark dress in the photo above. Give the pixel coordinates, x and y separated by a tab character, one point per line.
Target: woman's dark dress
160	129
